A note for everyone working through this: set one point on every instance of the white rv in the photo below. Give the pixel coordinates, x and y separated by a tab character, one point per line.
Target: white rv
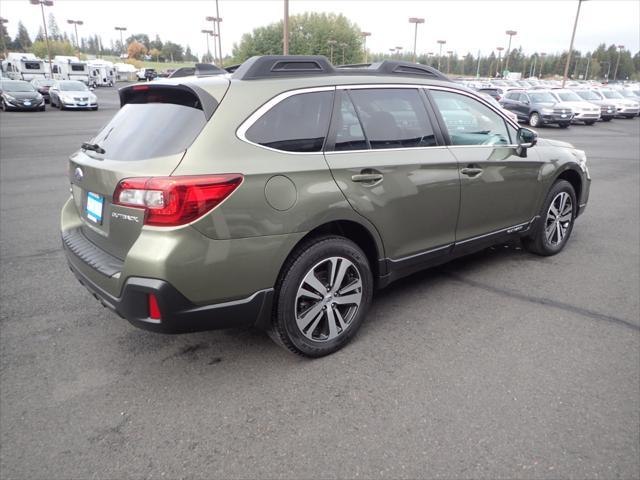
70	68
101	73
23	66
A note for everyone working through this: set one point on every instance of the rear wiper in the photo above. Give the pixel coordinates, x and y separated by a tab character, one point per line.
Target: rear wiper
93	147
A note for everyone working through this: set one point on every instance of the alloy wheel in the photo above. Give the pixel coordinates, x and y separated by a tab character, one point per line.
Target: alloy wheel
328	299
559	218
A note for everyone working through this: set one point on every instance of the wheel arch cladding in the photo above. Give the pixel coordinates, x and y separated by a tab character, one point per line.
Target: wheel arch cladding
574	179
353	231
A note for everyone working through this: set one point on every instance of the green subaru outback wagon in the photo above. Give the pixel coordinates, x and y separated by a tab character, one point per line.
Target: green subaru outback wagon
282	195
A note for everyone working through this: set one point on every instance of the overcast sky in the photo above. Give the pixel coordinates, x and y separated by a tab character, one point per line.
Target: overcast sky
542	25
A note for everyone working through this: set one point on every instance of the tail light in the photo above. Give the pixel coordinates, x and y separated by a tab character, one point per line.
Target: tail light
154	309
173	201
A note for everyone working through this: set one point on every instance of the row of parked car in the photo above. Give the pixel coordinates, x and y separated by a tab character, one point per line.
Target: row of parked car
34	95
546	102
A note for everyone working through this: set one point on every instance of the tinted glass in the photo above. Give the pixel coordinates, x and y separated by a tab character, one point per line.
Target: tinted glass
72	86
513	96
543	97
611	94
469	122
393	118
297	124
17	87
32	65
142	131
77	67
568	97
349	134
588	95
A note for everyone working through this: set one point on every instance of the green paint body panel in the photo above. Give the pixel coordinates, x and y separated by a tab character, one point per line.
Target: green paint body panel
239	248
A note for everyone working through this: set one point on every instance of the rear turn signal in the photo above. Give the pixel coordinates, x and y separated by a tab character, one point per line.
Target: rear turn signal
173	201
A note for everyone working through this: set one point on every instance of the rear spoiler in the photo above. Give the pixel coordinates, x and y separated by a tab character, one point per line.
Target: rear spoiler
188	95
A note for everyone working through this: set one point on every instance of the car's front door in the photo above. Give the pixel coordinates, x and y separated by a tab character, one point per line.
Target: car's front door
499	189
386	158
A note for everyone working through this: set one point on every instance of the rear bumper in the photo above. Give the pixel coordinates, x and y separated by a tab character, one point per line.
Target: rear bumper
178	314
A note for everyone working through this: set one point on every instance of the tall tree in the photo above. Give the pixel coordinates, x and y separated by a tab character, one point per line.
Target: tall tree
22	41
309	35
54	30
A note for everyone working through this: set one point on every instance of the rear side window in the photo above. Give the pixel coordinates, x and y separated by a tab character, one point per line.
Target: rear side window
393	117
140	131
298	123
349	133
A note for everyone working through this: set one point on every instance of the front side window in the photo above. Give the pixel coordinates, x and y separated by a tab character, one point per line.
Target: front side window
298	123
469	122
393	118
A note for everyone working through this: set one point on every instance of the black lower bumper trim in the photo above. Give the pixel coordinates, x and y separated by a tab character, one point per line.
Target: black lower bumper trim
179	315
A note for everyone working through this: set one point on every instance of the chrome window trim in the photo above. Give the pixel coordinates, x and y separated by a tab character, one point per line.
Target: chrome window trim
241	131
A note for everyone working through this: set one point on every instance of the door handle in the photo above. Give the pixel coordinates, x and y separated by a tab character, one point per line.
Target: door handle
367	177
471	172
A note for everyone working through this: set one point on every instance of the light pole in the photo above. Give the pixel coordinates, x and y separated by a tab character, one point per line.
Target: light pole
615	72
511	33
441	42
217	55
285	32
606	75
75	24
478	67
586	72
429	55
331	44
343	46
207	34
415	21
449	53
364	36
500	49
45	3
575	24
4	42
398	51
121	29
542	55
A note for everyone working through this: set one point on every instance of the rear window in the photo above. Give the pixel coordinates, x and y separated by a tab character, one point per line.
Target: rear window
140	131
77	67
32	65
298	123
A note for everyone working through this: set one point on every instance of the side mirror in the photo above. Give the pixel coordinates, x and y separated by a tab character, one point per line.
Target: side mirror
526	102
526	139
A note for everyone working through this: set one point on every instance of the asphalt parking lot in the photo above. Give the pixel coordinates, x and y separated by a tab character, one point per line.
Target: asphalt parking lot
498	365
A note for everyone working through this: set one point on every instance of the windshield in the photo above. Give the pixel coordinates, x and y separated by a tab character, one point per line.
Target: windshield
627	93
542	97
569	97
589	95
72	87
43	83
17	87
611	94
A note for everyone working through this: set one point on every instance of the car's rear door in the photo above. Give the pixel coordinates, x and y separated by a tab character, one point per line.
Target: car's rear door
499	190
390	163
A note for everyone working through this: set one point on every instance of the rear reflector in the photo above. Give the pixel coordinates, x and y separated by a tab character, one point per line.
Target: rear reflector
154	310
173	201
140	87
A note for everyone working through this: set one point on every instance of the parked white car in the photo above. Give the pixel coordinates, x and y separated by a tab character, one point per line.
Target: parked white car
72	94
583	111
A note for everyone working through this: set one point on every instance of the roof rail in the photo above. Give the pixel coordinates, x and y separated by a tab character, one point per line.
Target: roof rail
408	68
275	66
203	69
272	66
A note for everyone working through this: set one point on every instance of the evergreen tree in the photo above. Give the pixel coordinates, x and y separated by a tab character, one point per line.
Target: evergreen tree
22	41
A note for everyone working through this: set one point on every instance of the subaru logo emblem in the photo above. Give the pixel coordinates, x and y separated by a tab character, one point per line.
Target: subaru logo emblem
78	174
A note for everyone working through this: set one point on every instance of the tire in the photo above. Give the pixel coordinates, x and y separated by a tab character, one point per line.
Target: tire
547	241
94	108
608	119
590	122
629	116
563	125
4	106
310	318
534	120
43	108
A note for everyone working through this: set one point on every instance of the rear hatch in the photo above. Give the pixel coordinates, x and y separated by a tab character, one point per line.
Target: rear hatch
148	137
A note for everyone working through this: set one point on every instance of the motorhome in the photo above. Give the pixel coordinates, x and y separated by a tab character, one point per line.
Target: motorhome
70	68
101	73
23	66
